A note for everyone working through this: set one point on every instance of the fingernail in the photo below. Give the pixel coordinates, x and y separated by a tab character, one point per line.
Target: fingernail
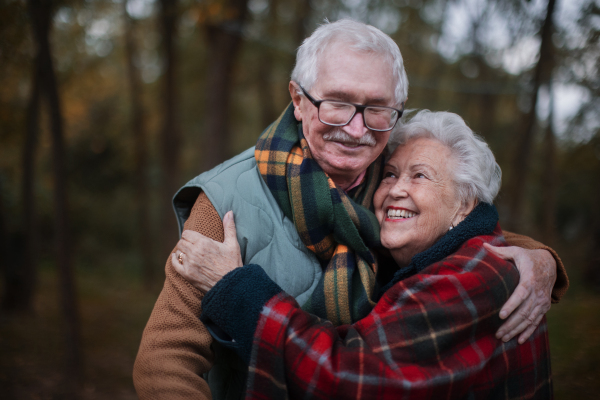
503	314
505	339
499	334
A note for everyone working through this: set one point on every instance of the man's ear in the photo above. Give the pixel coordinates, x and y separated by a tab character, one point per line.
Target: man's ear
464	210
296	99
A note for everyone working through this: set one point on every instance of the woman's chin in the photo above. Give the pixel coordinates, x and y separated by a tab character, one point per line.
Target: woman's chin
396	233
392	244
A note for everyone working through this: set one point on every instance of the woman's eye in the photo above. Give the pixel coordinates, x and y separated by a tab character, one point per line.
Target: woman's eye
388	175
419	175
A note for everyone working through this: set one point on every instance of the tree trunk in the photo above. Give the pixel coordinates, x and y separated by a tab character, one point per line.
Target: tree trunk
41	16
224	40
522	156
591	270
21	275
4	266
31	228
170	138
140	143
550	182
487	101
303	14
265	72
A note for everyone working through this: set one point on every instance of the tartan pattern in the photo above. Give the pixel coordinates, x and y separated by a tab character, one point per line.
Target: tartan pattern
338	228
431	336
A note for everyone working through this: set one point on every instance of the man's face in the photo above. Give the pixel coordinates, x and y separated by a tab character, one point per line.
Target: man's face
354	77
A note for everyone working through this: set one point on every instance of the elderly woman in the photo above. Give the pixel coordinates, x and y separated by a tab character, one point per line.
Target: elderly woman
431	332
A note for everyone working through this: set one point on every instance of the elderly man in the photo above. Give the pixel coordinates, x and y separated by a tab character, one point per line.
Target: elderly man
301	201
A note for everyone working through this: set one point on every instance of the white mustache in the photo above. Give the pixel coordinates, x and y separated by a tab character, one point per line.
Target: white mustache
338	135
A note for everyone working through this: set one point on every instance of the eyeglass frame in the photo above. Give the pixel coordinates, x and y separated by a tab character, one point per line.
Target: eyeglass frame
358	108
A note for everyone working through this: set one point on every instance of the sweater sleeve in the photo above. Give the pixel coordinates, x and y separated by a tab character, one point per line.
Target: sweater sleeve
175	348
562	280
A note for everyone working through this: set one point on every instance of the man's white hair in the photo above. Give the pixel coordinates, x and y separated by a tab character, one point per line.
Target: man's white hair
360	37
477	175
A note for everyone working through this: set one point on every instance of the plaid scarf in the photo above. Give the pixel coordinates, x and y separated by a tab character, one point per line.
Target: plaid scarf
337	227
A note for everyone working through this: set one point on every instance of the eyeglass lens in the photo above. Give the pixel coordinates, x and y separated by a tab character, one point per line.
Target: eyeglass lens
377	118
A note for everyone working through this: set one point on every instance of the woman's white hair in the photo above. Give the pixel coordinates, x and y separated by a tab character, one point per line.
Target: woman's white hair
477	175
360	37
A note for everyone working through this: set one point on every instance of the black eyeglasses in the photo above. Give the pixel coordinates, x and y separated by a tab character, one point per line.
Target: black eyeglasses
339	113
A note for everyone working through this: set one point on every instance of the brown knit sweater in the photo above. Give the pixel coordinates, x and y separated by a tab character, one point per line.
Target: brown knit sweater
175	349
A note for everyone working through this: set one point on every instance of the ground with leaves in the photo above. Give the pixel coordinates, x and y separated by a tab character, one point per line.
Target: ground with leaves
114	312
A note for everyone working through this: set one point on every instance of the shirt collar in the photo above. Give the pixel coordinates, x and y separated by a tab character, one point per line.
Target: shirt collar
357	182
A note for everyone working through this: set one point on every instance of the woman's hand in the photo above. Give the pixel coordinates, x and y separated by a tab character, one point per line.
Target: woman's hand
203	261
532	297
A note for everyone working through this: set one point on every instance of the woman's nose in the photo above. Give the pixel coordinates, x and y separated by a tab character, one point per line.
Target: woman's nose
400	188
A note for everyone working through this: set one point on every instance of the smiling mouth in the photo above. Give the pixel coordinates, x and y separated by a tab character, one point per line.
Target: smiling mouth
394	213
351	145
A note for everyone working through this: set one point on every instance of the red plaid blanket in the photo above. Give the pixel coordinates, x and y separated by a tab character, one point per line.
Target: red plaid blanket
430	336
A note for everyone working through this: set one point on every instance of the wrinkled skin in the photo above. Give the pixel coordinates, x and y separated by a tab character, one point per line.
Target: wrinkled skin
350	76
531	299
417	179
206	261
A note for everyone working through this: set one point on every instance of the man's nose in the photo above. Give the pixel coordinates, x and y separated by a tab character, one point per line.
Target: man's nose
356	127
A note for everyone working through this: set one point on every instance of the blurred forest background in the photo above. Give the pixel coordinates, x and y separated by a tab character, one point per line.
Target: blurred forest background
107	107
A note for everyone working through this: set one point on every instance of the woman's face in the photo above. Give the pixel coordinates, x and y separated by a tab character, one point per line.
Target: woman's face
417	202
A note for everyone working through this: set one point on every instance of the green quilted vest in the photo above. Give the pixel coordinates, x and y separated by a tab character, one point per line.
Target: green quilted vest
266	238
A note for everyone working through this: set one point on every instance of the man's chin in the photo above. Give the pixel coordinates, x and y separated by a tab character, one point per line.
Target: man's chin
343	160
344	165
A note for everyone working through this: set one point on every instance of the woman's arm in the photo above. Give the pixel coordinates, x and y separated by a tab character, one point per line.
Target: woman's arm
205	261
430	336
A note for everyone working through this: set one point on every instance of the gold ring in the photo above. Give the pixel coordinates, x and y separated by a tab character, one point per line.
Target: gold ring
180	258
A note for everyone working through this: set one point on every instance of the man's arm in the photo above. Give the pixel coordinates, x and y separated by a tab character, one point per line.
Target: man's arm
175	348
538	286
525	242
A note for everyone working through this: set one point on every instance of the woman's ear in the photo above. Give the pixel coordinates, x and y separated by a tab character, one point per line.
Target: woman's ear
464	210
296	99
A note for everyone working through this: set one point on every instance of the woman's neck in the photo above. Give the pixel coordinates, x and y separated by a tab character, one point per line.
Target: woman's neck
402	261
